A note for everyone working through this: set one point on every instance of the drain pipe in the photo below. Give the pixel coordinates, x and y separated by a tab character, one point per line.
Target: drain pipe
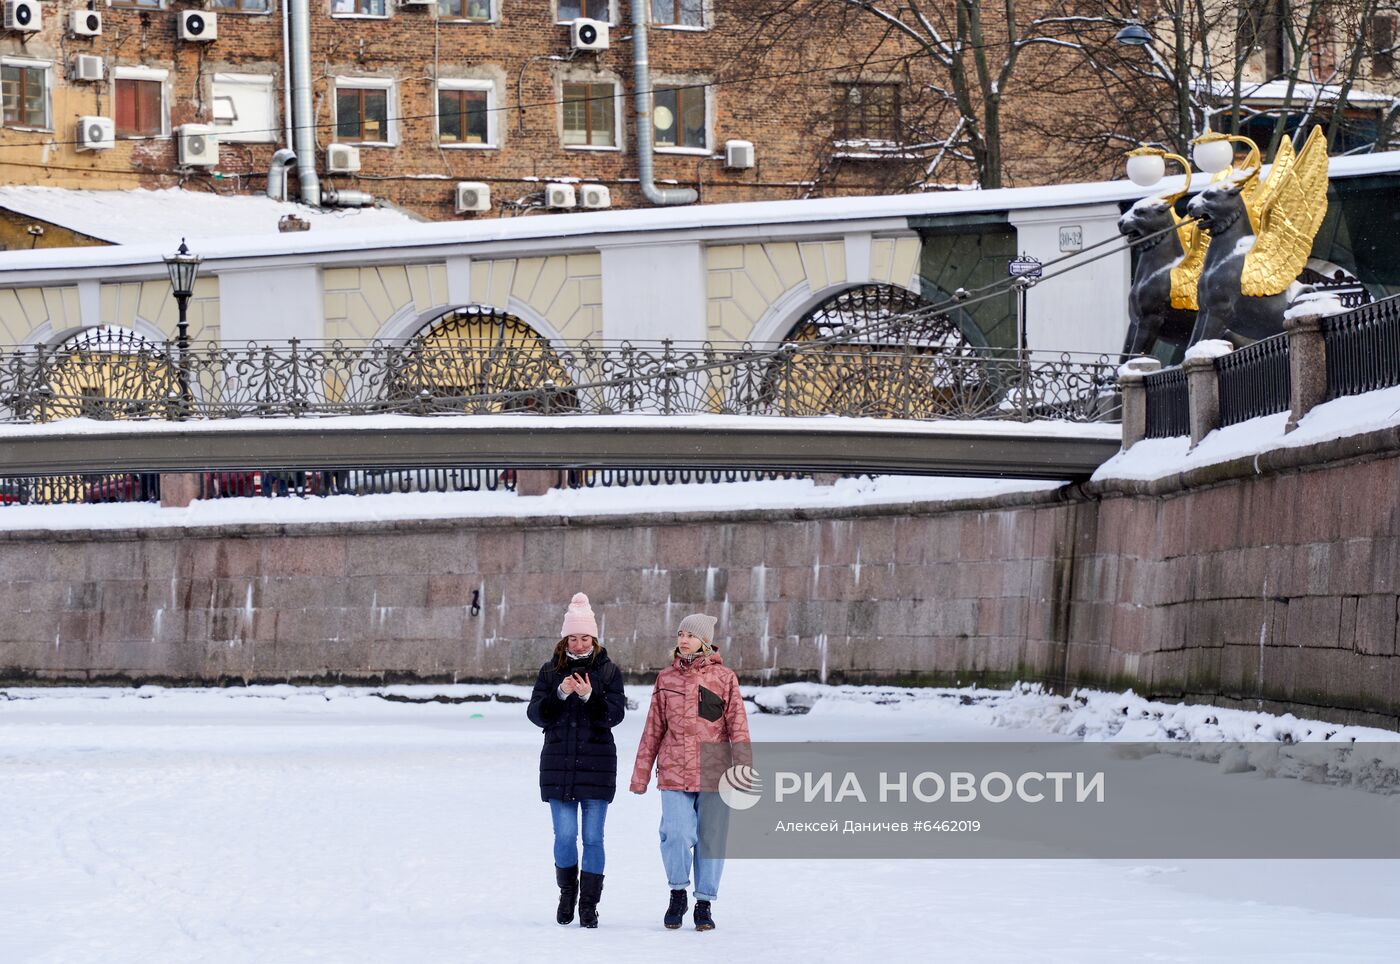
300	25
286	78
646	133
277	173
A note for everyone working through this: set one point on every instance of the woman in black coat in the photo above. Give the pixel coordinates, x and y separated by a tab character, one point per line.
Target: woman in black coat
578	699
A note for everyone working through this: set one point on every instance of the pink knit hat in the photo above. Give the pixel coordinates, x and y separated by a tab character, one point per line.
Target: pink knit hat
579	619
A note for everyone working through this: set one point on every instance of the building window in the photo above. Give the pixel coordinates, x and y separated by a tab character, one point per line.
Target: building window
678	13
144	4
26	95
140	107
679	117
243	6
362	114
1382	46
464	114
867	112
245	108
360	8
590	115
589	9
478	11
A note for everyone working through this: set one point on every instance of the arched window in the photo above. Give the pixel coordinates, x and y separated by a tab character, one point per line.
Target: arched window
881	351
480	359
108	372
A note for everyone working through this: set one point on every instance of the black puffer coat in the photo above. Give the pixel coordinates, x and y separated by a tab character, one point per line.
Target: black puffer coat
579	759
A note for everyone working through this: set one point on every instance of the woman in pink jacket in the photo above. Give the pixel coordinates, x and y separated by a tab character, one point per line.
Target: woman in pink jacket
695	701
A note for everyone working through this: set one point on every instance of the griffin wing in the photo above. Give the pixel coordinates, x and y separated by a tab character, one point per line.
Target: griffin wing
1187	274
1288	209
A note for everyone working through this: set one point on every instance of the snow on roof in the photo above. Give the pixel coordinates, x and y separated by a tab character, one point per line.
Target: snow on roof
1302	92
162	217
711	218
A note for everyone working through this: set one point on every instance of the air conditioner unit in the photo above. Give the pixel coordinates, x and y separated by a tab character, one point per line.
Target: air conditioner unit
86	67
473	196
199	145
585	34
342	159
198	26
560	196
96	134
738	155
594	196
85	23
23	15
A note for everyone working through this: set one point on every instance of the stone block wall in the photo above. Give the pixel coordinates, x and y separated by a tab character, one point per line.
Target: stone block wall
1276	592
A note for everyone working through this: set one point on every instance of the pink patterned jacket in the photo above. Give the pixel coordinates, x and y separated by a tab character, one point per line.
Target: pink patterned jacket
692	703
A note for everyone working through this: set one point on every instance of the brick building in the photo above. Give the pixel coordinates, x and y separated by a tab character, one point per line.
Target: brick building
430	94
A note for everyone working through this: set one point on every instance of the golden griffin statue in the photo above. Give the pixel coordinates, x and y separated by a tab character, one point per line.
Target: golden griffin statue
1245	244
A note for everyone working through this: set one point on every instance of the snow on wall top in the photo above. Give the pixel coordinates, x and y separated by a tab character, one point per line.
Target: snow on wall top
162	217
698	218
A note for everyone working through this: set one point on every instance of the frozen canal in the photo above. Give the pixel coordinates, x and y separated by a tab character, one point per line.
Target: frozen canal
196	826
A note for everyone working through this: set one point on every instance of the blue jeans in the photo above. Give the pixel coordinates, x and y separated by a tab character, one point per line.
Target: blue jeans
565	816
685	817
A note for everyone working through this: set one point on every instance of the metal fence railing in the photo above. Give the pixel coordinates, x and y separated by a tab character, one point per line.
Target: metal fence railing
1168	406
145	486
1254	380
112	378
1363	348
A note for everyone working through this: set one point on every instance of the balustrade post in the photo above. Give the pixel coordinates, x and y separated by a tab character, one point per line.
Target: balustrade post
1307	366
1130	384
1203	387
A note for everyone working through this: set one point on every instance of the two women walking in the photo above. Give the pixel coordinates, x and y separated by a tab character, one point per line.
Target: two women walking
577	700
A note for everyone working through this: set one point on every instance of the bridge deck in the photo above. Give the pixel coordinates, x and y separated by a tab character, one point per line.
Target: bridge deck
1041	449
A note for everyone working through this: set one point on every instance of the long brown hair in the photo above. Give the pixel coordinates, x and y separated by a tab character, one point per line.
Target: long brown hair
561	662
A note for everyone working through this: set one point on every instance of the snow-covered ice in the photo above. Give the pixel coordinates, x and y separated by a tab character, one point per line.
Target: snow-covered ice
275	824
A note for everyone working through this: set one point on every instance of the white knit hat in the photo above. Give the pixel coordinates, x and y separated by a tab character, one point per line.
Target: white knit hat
579	618
699	624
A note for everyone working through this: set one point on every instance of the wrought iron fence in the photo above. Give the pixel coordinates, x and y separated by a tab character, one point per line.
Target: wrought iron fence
1254	380
145	380
1168	407
145	487
1363	348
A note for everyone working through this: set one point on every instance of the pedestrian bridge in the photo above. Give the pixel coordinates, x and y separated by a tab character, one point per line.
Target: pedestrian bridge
897	396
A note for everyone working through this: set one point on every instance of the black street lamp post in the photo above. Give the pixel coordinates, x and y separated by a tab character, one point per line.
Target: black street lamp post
183	268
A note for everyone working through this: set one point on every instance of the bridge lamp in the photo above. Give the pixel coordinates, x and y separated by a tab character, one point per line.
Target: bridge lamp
1146	166
183	268
1213	152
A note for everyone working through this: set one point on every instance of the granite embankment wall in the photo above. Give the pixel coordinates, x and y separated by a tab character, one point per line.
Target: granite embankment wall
1269	585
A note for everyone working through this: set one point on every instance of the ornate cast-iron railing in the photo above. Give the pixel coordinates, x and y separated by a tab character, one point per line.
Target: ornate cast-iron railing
1254	380
1168	412
145	486
110	378
1363	348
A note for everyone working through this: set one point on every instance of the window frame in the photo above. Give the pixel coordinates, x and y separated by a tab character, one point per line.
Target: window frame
703	25
388	11
239	11
589	103
611	18
840	116
705	149
150	74
46	69
272	134
492	122
137	5
495	15
391	118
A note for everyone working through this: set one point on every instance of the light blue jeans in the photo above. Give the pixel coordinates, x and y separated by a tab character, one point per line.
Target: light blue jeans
565	816
685	817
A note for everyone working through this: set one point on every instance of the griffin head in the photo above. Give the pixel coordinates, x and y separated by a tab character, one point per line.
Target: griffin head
1218	207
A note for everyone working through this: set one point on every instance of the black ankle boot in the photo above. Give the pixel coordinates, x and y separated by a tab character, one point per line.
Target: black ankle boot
703	920
675	914
590	888
567	879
